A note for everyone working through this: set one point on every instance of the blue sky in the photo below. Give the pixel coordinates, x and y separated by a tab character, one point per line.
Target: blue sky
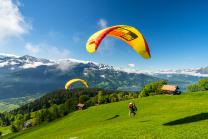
176	31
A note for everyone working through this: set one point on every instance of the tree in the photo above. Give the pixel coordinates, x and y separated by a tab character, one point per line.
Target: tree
68	105
54	111
203	83
18	124
194	88
101	97
48	116
92	101
26	116
74	101
19	121
42	115
113	97
132	95
136	95
200	86
5	119
0	133
62	110
37	118
14	128
83	99
120	96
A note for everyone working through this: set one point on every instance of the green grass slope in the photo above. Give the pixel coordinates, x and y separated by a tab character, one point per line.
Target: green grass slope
184	116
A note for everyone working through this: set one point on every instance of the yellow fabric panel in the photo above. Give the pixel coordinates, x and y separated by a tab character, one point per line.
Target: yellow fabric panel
67	85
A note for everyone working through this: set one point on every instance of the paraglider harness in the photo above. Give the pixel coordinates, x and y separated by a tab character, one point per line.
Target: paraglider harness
132	109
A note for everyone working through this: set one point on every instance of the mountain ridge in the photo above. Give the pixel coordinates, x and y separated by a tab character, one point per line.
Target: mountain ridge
28	75
28	61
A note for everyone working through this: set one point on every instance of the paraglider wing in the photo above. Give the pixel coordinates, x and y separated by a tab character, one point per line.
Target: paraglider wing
128	34
70	82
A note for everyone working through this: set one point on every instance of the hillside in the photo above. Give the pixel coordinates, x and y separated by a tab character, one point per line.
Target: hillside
183	116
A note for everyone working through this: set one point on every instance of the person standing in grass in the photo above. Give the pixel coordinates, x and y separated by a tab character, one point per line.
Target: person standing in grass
132	109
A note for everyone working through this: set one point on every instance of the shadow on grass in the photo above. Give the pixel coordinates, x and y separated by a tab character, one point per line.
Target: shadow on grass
112	117
188	119
144	121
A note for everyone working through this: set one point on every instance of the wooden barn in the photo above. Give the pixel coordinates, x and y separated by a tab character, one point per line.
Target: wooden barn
170	89
80	106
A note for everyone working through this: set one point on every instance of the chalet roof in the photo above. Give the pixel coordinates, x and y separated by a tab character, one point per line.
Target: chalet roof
169	88
80	105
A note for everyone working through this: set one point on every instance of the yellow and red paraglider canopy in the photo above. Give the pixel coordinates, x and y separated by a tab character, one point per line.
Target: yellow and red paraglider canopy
70	82
128	34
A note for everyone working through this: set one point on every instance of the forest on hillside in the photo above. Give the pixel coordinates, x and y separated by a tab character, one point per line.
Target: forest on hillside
58	104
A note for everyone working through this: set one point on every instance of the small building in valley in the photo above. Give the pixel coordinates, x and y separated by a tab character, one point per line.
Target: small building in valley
170	89
80	106
28	124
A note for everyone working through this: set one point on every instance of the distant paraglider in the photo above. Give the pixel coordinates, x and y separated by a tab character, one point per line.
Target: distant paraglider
70	82
128	34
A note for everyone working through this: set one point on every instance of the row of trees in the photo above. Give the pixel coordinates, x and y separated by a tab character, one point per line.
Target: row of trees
201	85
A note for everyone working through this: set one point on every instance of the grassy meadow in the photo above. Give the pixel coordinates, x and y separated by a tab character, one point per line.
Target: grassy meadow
182	116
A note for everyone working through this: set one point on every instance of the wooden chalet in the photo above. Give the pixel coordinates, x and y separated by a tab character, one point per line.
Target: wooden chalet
170	89
80	106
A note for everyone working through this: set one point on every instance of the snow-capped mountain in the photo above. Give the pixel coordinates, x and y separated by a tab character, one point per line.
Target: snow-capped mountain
27	75
12	62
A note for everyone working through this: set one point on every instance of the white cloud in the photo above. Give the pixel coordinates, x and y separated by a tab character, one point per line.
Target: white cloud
32	48
46	51
8	55
12	23
65	65
131	65
102	23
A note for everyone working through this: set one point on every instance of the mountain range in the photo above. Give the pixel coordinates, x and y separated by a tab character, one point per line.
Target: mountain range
26	75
